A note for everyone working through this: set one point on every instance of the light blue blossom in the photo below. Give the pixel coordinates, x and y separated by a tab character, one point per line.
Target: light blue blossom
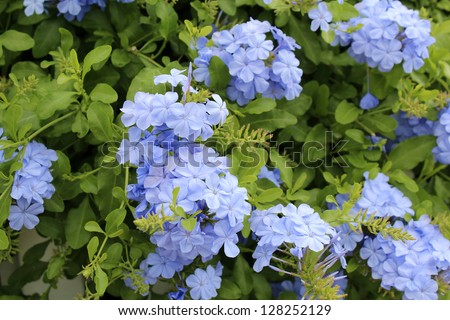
320	17
201	284
369	101
24	214
33	7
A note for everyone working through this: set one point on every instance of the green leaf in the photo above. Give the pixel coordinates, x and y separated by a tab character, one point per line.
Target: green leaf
10	120
401	177
120	58
342	12
347	112
259	106
189	224
269	195
380	122
93	226
97	55
228	6
307	39
114	256
55	267
16	41
76	235
80	125
66	40
54	101
169	19
5	205
272	120
300	182
262	288
143	81
104	92
100	280
356	135
114	220
92	247
4	240
35	253
280	162
100	117
50	227
219	74
242	274
409	153
89	184
44	42
229	290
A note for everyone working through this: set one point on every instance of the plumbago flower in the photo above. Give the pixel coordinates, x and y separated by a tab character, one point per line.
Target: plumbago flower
182	186
388	33
287	235
32	184
442	131
413	266
71	9
257	64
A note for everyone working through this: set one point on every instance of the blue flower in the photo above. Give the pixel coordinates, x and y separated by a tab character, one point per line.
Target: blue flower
71	7
272	175
175	78
248	53
217	110
381	199
24	214
372	252
201	285
163	263
262	255
285	66
425	289
369	101
320	17
178	295
387	53
33	7
186	120
442	131
226	237
388	34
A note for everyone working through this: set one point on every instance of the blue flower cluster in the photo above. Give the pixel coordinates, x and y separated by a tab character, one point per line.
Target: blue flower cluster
442	131
411	267
298	227
257	64
71	9
390	34
381	199
412	126
32	184
162	134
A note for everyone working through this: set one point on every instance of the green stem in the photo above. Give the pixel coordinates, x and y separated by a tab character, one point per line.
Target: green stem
81	176
362	125
50	124
163	46
143	56
127	176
